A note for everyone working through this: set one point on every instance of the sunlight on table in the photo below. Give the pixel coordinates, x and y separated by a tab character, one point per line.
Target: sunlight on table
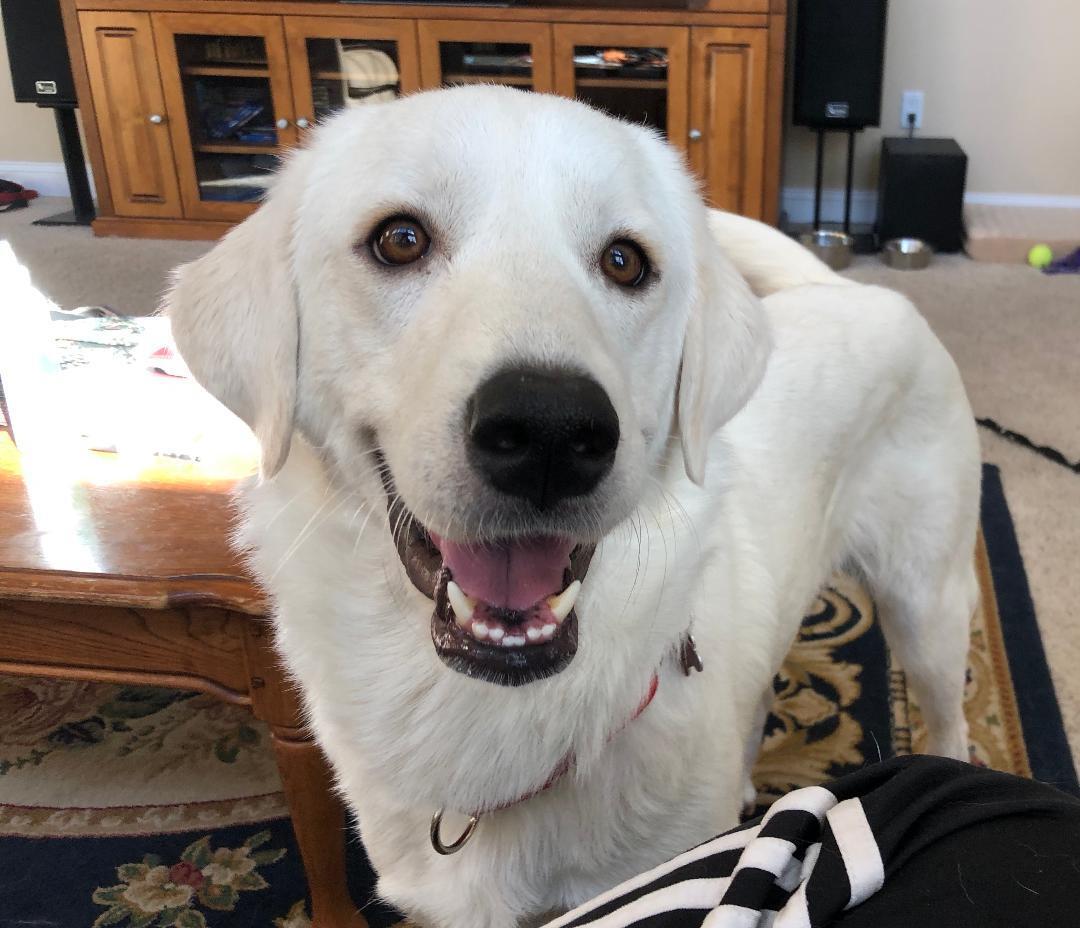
157	425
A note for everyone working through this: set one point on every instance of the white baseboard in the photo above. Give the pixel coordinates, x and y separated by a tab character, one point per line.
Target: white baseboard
1024	200
48	178
798	203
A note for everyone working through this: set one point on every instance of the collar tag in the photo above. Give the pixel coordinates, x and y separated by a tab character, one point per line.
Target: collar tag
688	655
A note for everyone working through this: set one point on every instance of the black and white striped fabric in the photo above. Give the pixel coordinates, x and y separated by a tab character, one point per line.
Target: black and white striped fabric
822	850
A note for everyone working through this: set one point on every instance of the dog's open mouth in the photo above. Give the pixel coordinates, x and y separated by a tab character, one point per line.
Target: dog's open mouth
503	612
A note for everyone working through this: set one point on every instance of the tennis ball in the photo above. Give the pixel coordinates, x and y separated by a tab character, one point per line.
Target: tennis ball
1040	256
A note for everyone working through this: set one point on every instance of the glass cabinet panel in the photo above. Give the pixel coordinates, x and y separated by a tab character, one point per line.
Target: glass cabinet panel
351	72
637	73
335	65
486	63
230	114
513	54
626	81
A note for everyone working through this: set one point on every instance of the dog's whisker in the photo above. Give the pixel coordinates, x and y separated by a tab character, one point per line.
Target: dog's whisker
366	504
399	518
312	524
292	499
659	525
372	509
673	504
635	522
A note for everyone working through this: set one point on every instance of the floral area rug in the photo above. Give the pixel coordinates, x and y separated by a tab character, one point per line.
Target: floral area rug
149	808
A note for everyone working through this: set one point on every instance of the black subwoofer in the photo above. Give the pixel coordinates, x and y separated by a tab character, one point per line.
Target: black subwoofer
37	52
839	62
921	191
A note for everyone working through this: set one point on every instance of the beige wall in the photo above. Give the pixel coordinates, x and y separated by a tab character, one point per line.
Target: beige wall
1002	77
27	133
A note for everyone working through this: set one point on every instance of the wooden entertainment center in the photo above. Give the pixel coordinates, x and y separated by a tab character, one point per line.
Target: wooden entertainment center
186	104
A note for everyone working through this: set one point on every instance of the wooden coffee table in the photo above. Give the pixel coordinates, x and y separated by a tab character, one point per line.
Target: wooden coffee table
118	571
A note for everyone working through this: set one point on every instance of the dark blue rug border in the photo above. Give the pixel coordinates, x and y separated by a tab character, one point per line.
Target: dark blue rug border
1044	733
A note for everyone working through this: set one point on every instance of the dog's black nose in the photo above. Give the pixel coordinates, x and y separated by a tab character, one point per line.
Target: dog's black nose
542	435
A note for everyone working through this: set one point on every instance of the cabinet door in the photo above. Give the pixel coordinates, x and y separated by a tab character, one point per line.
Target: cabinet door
131	112
336	65
516	54
226	83
727	116
639	73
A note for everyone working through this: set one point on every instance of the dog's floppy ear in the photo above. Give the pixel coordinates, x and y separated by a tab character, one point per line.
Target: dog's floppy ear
724	354
235	322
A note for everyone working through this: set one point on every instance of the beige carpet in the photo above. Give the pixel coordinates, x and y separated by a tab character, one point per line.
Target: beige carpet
76	269
1014	332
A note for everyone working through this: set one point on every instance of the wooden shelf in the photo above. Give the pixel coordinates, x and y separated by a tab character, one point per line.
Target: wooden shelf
231	63
239	148
511	80
628	84
323	75
215	70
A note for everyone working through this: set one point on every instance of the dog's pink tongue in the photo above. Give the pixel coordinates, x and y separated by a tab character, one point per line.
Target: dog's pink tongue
515	575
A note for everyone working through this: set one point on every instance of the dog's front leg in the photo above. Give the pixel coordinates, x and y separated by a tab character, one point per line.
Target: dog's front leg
752	748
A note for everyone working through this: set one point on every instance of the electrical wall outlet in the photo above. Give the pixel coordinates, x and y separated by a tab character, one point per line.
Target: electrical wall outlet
911	103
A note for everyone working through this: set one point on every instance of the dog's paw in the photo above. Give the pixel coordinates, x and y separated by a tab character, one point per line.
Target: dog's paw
954	744
749	798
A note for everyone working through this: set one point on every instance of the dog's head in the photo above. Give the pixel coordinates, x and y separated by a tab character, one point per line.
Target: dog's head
496	310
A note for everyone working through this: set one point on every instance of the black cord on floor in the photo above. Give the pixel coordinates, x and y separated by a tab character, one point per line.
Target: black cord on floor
1051	454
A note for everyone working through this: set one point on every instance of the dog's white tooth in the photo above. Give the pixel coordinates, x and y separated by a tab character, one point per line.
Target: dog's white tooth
548	631
464	606
532	633
495	633
480	631
513	641
562	604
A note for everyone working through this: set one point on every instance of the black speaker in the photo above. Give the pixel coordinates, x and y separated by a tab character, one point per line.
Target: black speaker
921	191
839	62
37	52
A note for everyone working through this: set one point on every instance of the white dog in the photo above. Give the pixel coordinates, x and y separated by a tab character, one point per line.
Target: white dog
525	427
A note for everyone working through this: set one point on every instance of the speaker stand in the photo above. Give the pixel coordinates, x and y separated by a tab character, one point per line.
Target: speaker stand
819	167
865	242
82	213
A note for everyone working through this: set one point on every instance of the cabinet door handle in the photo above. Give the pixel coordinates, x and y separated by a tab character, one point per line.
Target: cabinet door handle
157	119
282	123
302	123
695	135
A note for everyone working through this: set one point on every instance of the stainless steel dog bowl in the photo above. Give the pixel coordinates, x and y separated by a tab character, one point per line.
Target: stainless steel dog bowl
834	248
907	254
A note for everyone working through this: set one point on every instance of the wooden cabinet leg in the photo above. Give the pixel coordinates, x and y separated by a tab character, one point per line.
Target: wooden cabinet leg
318	819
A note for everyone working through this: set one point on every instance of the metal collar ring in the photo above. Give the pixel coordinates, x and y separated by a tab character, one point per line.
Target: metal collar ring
455	846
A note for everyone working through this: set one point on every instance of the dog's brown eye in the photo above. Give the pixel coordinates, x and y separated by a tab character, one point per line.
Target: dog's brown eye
625	263
400	240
